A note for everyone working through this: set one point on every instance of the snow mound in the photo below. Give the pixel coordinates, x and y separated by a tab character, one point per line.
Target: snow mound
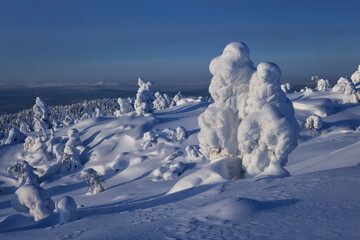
321	106
34	200
66	208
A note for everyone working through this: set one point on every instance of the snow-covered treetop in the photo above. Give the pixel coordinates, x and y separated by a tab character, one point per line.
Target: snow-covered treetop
355	77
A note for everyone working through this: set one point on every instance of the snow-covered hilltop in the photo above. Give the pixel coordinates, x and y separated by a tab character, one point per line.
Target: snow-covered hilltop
255	163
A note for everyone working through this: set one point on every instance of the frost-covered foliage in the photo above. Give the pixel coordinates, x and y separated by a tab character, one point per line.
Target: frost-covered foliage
72	151
229	88
93	179
34	200
269	132
323	85
42	116
351	95
144	97
251	118
286	88
66	208
37	149
161	101
341	85
125	107
24	173
15	136
313	122
355	77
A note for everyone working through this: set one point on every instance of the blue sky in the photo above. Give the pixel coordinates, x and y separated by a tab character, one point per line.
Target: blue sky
172	42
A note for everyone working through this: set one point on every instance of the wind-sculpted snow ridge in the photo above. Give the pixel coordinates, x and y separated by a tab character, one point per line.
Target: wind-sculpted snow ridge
251	118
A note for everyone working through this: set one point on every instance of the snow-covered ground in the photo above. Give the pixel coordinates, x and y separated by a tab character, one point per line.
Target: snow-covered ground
158	187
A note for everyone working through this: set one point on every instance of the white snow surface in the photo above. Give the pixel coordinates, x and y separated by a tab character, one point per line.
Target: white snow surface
168	190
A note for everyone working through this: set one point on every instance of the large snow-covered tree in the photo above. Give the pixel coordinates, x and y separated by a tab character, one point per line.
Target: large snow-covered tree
144	97
251	118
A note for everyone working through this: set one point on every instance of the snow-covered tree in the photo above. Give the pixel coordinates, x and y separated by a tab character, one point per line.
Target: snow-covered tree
178	100
72	151
161	102
355	77
68	120
323	85
341	84
255	123
180	133
286	88
33	199
42	116
24	173
351	95
313	122
99	112
144	97
269	132
124	107
66	208
15	136
93	179
229	88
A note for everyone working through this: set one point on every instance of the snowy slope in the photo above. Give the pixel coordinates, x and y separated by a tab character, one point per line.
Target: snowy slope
319	200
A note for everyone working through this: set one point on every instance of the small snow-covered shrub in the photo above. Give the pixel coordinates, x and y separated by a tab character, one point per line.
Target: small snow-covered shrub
351	95
341	84
193	152
161	102
144	97
24	173
72	150
124	107
66	208
355	77
175	170
93	179
180	133
178	100
323	85
34	200
15	136
286	88
313	122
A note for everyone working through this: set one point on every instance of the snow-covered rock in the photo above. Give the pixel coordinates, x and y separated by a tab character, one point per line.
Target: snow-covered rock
34	200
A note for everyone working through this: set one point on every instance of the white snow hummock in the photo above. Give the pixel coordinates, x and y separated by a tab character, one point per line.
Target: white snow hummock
66	208
33	199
